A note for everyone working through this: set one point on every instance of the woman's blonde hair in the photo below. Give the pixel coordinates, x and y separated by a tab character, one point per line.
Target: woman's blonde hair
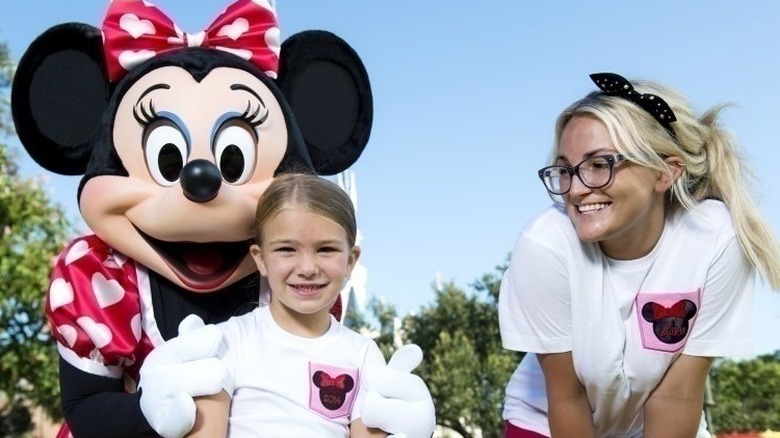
714	166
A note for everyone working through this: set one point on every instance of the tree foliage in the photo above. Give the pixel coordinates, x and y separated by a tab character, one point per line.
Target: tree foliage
746	394
32	232
6	74
466	368
386	316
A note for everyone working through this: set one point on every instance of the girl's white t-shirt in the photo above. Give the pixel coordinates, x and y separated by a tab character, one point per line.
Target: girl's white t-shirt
283	385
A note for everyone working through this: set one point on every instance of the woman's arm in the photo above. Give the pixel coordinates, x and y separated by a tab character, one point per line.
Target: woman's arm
211	418
722	328
675	406
568	409
359	430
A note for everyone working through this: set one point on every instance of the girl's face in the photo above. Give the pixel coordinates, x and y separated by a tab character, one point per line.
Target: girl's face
626	216
307	260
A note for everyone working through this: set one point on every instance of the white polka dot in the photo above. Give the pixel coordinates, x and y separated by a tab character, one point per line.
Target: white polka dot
60	293
135	326
234	30
77	251
69	333
273	40
135	26
99	333
107	292
129	59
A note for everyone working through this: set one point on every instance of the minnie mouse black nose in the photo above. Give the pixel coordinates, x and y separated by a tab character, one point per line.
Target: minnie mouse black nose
200	180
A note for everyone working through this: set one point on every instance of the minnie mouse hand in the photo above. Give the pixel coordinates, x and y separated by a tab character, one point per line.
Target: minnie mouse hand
397	401
178	370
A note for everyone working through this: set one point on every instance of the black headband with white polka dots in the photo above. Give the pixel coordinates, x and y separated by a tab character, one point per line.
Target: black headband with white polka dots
616	85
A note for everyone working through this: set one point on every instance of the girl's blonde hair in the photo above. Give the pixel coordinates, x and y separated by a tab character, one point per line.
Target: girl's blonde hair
313	193
714	166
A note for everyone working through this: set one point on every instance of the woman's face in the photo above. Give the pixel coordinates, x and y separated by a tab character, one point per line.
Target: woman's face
626	216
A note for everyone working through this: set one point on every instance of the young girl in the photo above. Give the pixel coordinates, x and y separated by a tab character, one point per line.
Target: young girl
292	369
642	274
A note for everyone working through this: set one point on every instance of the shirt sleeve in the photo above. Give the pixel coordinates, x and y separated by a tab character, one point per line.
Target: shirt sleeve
234	331
93	308
373	359
534	302
723	326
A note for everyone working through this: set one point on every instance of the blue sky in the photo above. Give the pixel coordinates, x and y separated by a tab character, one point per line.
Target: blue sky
465	97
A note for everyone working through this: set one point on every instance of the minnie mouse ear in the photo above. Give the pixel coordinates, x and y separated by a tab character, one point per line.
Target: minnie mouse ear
59	94
328	89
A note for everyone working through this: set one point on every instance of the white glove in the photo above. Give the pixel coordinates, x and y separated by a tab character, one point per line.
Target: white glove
178	370
397	401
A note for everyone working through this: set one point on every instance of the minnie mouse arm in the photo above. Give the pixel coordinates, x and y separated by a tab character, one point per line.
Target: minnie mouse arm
398	401
92	307
98	406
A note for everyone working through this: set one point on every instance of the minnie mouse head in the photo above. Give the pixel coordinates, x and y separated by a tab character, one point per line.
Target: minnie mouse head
333	390
177	135
670	324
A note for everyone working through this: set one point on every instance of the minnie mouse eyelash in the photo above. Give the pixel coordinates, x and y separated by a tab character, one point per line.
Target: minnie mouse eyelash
615	85
257	116
143	115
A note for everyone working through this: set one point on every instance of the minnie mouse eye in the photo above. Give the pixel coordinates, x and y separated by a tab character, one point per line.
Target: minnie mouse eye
235	154
166	152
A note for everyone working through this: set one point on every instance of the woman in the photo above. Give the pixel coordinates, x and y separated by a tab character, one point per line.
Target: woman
643	272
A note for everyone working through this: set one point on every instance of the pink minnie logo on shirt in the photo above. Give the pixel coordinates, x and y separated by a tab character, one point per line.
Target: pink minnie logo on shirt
666	319
332	389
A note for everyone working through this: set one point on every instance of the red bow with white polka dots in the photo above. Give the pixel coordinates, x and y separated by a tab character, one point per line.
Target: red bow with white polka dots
136	30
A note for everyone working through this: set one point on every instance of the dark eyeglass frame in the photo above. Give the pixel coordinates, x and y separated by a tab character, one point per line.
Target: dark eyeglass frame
611	159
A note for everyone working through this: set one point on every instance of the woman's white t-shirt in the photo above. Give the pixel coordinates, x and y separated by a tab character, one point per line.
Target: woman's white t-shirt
625	322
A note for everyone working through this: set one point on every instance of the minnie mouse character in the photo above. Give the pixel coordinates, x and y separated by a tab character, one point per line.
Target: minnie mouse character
176	136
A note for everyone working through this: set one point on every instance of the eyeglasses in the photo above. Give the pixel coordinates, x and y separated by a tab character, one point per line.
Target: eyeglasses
594	172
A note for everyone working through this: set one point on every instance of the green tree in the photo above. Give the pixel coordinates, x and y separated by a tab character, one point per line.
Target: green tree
354	318
6	74
386	316
32	231
466	368
746	394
